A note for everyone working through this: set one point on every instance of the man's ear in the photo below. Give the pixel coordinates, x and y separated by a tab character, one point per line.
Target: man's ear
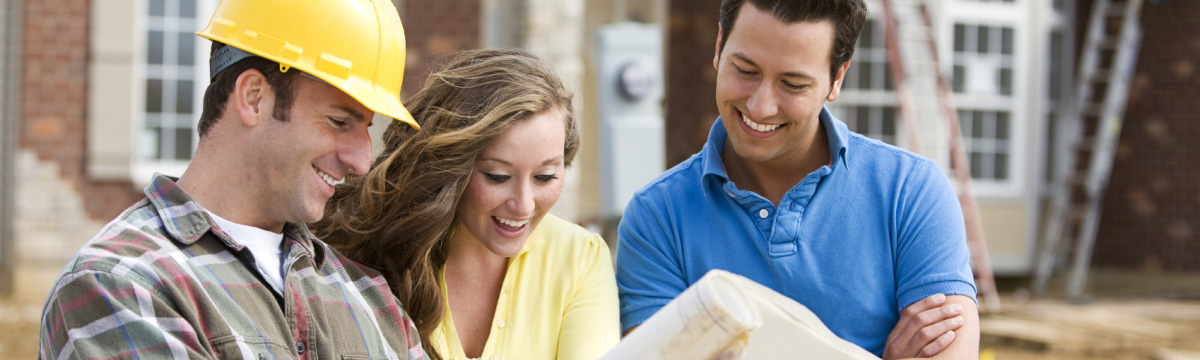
250	92
717	49
835	89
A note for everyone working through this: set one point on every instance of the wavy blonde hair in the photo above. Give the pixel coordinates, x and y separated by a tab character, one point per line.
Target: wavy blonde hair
397	217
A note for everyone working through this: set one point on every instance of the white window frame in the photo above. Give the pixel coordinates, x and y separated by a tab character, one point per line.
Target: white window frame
873	98
144	167
117	90
1053	110
992	14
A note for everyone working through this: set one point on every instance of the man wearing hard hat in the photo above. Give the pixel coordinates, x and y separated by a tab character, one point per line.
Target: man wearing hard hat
218	263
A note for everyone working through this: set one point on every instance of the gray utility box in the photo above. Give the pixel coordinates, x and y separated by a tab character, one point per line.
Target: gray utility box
630	95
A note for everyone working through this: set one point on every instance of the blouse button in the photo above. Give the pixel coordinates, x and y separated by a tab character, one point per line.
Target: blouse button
763	213
500	324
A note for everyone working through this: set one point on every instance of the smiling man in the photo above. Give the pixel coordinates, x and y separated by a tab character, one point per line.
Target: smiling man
219	264
868	236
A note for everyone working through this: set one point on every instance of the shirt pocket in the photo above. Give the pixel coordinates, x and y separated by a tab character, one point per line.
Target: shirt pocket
255	348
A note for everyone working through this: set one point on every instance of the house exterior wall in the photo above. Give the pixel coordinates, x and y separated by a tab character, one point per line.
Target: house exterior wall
1151	214
434	28
53	100
691	80
52	216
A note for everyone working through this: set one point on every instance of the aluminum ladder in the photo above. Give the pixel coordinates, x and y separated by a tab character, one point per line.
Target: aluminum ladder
1108	59
924	93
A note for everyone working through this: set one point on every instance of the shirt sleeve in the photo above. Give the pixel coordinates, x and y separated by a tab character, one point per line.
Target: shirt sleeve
95	314
648	272
932	255
589	325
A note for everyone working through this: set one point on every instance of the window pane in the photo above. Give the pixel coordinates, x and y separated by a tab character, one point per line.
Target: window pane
187	48
158	7
960	34
154	95
887	77
851	81
983	33
183	97
187	9
1000	167
889	121
1005	80
866	74
976	165
960	78
864	121
1002	125
964	122
867	39
1006	41
154	52
183	143
977	124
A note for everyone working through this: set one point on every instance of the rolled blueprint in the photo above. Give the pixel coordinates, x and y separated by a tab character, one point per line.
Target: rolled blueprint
698	324
727	316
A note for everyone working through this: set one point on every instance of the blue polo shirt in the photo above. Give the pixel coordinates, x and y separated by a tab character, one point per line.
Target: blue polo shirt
856	241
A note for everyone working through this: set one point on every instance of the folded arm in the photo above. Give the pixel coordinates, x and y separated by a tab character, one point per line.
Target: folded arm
938	327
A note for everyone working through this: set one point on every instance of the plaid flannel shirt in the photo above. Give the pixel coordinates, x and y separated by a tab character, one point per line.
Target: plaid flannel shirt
162	281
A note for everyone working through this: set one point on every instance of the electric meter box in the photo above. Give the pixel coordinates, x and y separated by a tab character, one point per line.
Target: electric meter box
629	77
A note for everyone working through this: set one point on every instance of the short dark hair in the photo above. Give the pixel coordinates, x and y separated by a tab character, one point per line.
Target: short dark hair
847	17
218	91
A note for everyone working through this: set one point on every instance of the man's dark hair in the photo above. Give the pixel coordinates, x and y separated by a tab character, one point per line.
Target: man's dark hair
218	91
846	16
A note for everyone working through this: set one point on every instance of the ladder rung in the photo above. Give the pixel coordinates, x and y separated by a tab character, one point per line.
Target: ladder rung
1087	143
1116	9
1108	43
1076	179
1077	212
913	33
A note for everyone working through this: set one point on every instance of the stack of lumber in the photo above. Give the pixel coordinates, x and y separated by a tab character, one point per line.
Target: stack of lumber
1133	329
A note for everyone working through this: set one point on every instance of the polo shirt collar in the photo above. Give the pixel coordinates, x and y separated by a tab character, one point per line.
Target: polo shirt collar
836	131
839	137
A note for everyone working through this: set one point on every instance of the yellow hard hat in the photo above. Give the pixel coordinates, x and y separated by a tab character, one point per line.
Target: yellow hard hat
354	45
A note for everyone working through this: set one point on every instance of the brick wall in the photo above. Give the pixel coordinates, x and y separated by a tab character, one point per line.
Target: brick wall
434	28
53	99
691	80
1151	214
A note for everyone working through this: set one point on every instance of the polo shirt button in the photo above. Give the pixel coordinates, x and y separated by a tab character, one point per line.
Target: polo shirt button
763	213
299	347
732	195
500	324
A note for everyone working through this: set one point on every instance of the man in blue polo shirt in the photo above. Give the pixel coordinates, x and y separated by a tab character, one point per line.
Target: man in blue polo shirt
868	236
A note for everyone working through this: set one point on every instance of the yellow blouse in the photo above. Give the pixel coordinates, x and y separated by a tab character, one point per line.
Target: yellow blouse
558	300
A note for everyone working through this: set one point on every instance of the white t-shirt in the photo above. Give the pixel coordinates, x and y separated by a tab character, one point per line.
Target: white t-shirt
266	247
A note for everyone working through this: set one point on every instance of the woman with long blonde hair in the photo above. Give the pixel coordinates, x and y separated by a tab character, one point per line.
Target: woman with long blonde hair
455	217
